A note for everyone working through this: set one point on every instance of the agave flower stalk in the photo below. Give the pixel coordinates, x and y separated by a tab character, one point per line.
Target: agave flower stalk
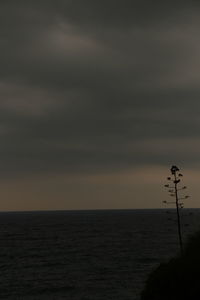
174	190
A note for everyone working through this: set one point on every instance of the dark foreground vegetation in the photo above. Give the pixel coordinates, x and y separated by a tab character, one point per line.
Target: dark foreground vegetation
179	278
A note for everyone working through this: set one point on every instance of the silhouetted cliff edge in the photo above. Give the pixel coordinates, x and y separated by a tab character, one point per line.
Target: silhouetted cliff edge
177	279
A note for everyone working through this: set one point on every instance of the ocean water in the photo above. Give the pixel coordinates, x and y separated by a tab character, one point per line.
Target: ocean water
86	255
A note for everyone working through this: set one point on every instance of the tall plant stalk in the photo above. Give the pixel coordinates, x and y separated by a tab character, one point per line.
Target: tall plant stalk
174	191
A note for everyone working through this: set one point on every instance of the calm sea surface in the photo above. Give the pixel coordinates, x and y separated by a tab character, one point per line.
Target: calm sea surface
85	255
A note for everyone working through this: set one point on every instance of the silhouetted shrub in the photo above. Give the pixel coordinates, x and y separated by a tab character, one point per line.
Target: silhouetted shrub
177	279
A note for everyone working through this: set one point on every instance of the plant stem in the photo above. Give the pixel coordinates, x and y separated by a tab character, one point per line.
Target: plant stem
178	214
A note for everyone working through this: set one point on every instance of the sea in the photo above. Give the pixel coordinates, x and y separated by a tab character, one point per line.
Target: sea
86	255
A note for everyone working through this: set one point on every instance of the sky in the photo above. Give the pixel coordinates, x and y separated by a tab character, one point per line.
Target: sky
97	100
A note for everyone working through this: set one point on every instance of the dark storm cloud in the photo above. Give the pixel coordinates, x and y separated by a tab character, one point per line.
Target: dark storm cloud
95	85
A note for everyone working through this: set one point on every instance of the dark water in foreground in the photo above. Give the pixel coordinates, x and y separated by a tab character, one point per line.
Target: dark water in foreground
89	255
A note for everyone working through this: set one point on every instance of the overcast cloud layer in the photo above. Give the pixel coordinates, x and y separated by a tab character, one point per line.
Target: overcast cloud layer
98	86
